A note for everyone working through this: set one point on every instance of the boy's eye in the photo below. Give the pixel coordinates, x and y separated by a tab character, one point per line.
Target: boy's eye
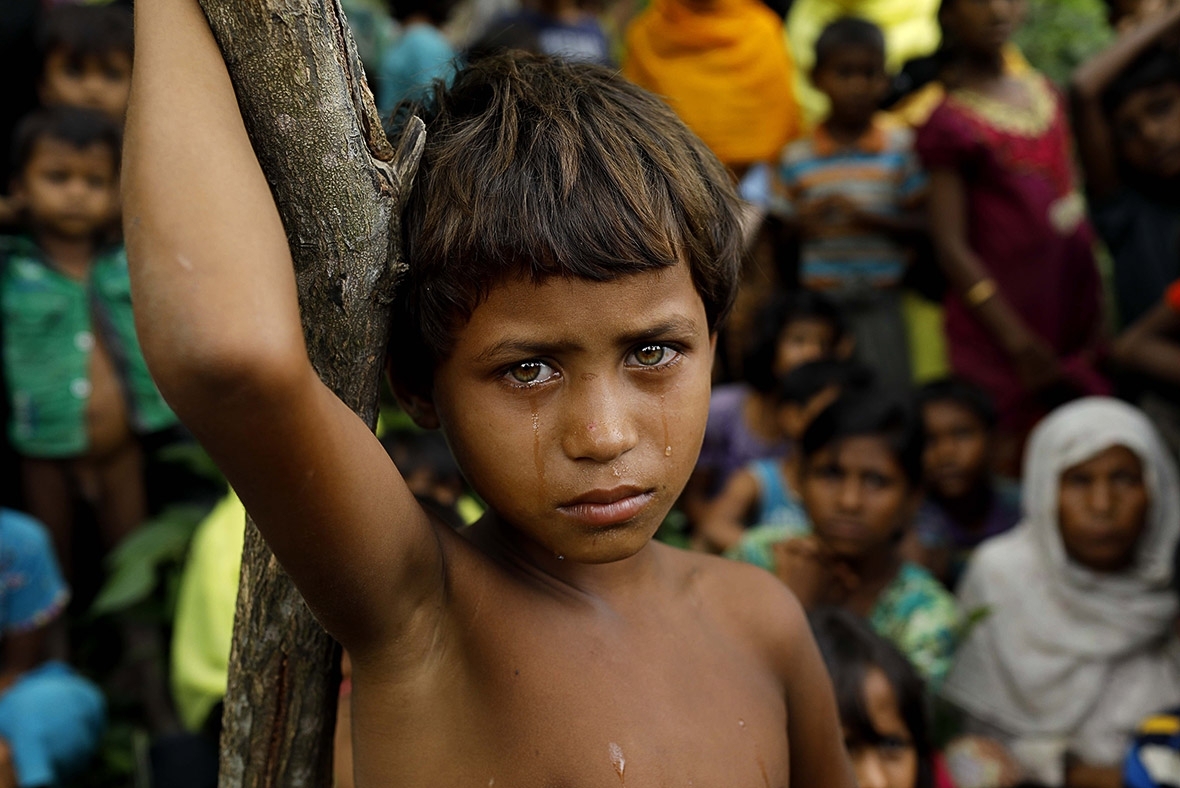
653	355
530	373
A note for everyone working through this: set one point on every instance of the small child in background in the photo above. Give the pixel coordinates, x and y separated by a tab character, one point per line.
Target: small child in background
51	719
853	190
765	492
861	484
419	56
86	55
1127	119
789	330
882	705
964	504
79	388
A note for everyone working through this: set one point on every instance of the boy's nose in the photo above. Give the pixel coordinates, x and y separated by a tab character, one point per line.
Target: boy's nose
1101	499
600	427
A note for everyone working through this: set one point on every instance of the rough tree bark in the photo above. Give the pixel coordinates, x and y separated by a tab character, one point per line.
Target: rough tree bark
338	185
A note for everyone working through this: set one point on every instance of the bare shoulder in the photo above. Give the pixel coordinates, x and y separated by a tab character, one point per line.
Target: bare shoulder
756	604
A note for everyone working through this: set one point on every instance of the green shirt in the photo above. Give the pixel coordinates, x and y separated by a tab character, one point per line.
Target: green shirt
50	323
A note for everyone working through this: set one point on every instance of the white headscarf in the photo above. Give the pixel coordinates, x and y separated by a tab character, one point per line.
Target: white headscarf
1067	654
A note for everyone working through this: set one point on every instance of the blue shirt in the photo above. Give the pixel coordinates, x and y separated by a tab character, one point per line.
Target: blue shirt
410	66
32	591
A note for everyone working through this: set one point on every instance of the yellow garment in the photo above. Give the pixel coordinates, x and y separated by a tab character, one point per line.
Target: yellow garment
726	71
910	27
204	624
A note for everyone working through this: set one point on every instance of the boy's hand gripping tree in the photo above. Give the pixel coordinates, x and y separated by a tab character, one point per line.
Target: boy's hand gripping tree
339	187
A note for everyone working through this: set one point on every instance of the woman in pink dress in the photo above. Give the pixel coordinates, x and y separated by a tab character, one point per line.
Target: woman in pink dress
1024	307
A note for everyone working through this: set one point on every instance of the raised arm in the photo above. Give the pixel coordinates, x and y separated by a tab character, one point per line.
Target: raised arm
1096	143
218	317
1152	344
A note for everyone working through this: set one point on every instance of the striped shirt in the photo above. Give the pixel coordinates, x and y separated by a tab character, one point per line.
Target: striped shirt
881	174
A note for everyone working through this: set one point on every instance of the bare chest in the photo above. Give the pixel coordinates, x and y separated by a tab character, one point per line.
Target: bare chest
568	708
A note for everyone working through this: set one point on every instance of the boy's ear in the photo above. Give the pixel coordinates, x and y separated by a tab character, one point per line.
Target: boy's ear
420	407
415	401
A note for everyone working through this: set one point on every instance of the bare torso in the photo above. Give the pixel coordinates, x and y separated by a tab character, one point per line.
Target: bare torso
531	683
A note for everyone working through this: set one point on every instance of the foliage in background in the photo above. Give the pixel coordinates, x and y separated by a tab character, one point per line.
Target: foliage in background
1059	34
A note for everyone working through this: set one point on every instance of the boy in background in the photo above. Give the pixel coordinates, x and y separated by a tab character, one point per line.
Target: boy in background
562	338
852	190
964	504
80	393
86	58
1126	113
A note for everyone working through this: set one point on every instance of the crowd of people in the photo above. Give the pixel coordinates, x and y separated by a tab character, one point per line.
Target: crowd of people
945	406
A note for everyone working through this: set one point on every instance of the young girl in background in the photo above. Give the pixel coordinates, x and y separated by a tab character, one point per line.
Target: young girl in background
882	705
1023	310
860	480
1078	643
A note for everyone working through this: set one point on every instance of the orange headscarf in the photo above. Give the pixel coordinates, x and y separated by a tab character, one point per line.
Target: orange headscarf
724	67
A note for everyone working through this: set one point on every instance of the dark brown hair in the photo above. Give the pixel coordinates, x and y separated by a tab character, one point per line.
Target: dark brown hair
535	167
84	31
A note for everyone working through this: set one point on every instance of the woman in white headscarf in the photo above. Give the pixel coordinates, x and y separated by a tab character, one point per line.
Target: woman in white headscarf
1078	638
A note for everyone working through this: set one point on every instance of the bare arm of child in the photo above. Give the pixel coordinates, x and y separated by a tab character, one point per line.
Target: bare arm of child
217	311
1152	344
1033	358
724	520
1092	127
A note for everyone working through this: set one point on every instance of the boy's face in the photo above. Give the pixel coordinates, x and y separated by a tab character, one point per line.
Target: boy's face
94	82
957	449
802	341
66	191
854	80
1102	509
857	496
576	409
1147	125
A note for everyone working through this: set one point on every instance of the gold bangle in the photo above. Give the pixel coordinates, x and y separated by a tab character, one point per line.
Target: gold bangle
980	293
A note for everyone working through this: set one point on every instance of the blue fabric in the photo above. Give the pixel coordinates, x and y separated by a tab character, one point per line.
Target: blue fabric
31	587
52	719
777	505
1154	758
582	40
409	67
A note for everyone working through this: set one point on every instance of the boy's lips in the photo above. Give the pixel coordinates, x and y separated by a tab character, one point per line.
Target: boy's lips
607	506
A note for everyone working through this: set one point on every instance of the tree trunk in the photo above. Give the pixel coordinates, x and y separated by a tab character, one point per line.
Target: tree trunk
339	187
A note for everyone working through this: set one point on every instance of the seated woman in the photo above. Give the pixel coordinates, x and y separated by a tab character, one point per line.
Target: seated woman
1077	642
861	486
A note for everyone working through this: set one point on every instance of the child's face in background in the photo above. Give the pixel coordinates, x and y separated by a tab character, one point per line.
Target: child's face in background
66	191
1147	127
857	496
958	449
892	760
1102	509
803	341
576	409
94	82
854	80
983	26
